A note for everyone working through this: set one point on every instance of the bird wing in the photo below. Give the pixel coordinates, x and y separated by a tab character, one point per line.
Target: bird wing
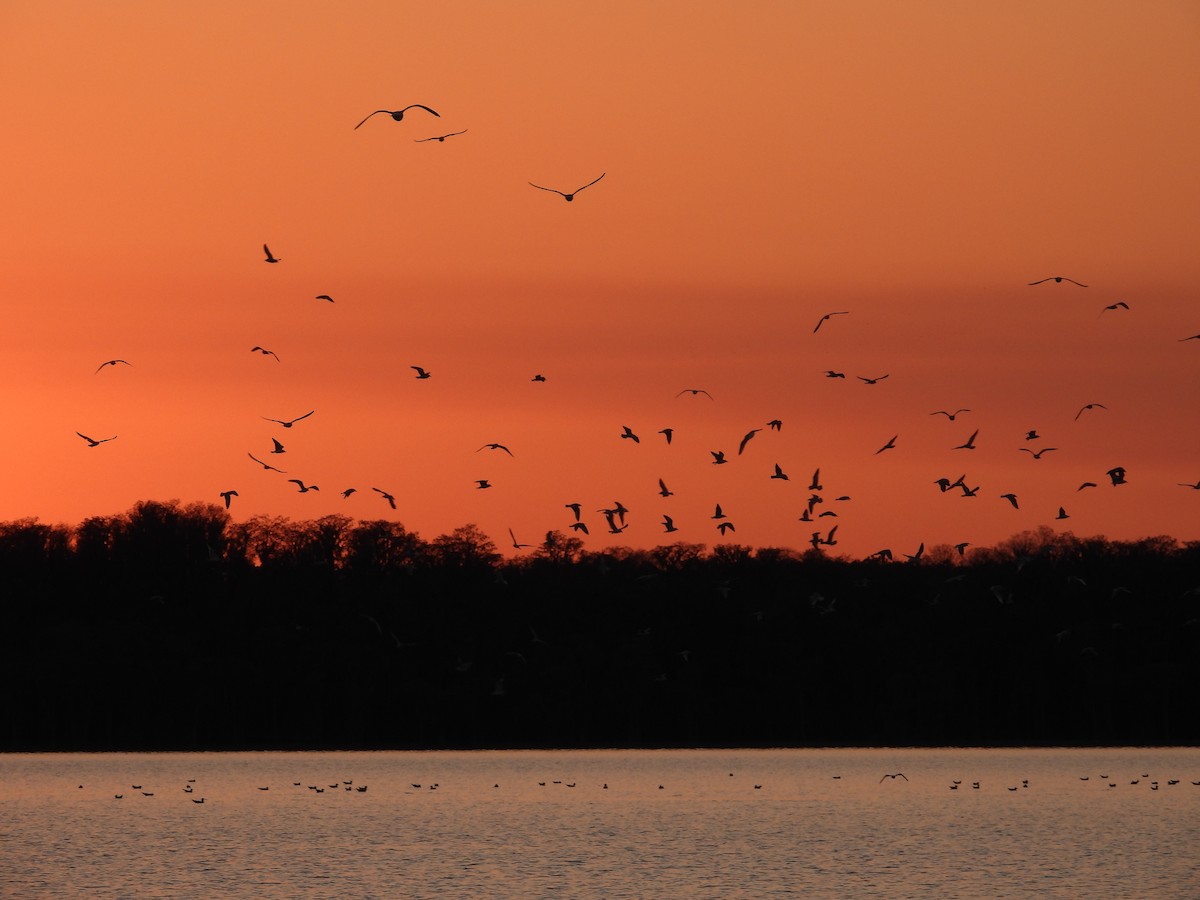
305	416
377	112
551	190
590	183
746	439
419	106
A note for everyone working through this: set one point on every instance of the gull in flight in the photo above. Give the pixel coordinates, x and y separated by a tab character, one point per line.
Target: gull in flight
775	424
516	545
745	440
304	488
1194	487
829	373
386	496
538	377
1086	484
1120	304
949	415
779	473
628	433
95	442
289	424
724	527
347	492
398	114
1011	498
580	526
816	480
1039	453
970	444
1062	514
821	320
265	352
278	446
669	524
694	392
1194	337
421	373
571	196
495	447
663	490
871	380
574	507
266	465
1032	435
889	445
894	777
228	495
718	457
718	513
440	137
1058	279
1088	406
323	297
270	258
667	433
482	483
1117	475
111	362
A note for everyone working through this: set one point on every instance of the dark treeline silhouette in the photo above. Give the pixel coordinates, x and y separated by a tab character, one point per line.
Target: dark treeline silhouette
172	627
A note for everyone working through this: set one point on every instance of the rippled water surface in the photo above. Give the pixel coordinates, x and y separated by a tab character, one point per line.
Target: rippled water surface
614	824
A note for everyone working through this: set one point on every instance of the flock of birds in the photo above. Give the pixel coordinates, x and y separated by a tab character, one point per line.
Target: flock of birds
616	516
348	785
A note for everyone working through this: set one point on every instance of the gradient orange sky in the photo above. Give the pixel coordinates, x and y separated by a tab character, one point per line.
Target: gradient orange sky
914	164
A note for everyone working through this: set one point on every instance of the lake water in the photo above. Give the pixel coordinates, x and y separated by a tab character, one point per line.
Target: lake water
613	824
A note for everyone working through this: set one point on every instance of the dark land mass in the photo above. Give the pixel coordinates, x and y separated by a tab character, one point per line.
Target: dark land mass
172	627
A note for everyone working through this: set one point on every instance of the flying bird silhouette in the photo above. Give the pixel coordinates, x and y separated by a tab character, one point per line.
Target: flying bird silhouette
949	415
897	775
574	507
829	373
95	442
516	545
1116	475
495	447
889	445
266	465
779	473
663	490
347	492
303	488
270	258
1032	435
871	380
1038	454
1086	484
421	373
724	527
1062	514
111	362
1058	279
669	524
667	433
775	424
718	513
278	446
1120	304
718	457
1088	406
816	480
580	526
627	432
821	320
386	496
440	137
482	483
398	114
265	352
228	495
1011	498
694	392
290	423
323	297
751	433
1194	487
970	444
571	196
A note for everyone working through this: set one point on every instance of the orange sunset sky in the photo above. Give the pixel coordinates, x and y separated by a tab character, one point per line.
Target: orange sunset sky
915	165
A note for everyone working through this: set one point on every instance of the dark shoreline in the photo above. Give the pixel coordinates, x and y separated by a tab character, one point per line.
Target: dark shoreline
172	629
